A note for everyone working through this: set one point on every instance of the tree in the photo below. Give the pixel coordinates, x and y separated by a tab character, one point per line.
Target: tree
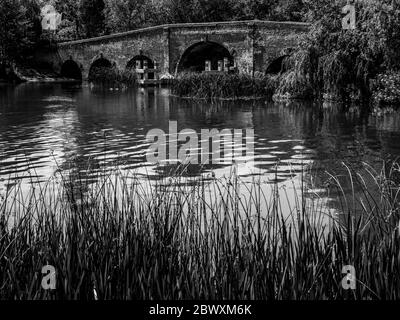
212	10
125	15
93	17
289	10
347	60
262	9
384	27
181	11
17	29
71	27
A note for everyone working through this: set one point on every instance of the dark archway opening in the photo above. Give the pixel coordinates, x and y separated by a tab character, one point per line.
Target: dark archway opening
71	70
277	66
194	59
99	69
141	62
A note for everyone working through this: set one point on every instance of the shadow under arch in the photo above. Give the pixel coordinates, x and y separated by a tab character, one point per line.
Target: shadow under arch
98	65
276	66
139	61
194	57
142	60
71	70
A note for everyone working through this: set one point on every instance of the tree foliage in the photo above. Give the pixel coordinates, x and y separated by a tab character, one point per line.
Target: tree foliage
92	13
18	28
71	27
125	15
345	61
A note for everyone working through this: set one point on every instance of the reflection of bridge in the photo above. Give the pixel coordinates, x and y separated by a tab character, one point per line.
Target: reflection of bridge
246	46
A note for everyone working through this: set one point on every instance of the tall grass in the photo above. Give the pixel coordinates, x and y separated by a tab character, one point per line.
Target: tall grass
122	238
222	86
112	77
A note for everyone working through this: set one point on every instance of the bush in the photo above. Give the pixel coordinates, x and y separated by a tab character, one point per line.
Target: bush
386	89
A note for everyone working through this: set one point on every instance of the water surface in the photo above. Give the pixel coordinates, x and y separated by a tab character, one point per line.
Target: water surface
49	128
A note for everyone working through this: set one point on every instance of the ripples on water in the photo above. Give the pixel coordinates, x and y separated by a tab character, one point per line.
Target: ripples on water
45	128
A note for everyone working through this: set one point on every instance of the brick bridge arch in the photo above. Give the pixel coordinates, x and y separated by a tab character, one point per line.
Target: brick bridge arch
196	54
252	44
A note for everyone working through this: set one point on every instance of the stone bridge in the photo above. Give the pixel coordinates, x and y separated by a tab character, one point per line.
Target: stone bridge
246	46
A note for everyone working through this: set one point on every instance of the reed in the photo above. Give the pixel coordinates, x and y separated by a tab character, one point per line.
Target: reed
222	86
112	77
123	238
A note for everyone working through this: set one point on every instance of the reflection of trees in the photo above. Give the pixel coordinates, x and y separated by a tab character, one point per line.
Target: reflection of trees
111	124
202	114
134	107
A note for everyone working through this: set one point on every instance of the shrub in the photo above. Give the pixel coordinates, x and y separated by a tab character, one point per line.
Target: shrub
386	89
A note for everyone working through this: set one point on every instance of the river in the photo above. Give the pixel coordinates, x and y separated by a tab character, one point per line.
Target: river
48	128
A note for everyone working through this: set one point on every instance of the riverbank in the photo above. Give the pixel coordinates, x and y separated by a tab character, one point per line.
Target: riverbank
296	81
20	74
